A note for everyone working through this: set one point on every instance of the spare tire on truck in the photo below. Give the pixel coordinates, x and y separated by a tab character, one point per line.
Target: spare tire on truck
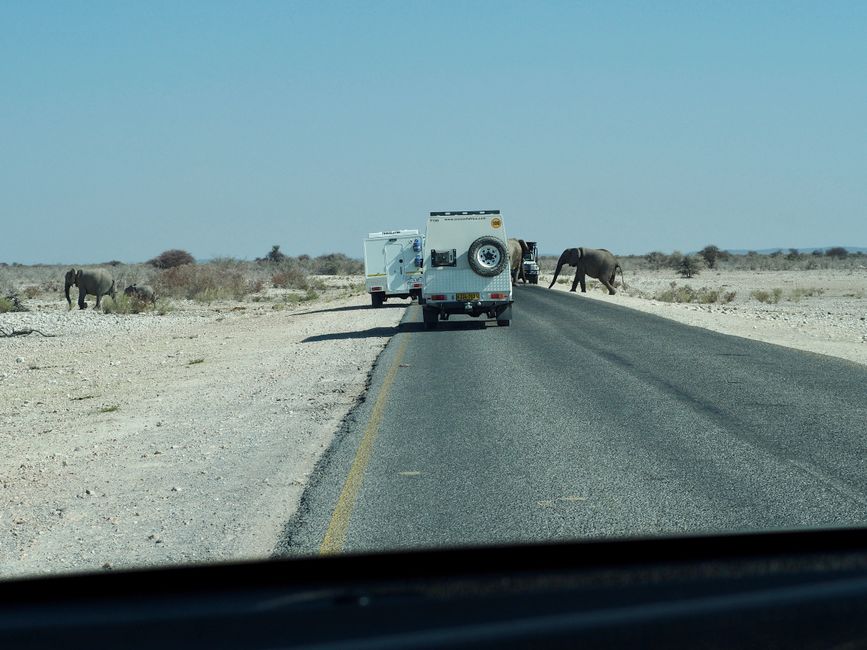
487	256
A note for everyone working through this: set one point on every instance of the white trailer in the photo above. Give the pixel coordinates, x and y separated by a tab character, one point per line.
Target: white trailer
466	267
393	265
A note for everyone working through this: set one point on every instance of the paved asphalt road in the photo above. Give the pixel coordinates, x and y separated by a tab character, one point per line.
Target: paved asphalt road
586	419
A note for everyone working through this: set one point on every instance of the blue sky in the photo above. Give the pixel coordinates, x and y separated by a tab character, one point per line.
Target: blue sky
225	127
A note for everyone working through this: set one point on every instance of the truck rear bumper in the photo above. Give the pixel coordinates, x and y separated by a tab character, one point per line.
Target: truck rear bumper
501	310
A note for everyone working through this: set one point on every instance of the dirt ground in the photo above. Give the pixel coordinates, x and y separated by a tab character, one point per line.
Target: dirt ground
147	439
133	440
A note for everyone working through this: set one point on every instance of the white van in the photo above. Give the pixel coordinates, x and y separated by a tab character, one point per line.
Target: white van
466	267
393	265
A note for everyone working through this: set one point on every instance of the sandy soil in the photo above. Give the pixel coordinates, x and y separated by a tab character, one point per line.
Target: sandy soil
144	439
818	311
135	440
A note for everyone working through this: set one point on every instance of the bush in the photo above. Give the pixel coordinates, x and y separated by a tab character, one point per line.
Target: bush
171	259
219	280
11	302
770	297
805	292
676	294
686	293
123	304
337	264
657	260
837	251
290	277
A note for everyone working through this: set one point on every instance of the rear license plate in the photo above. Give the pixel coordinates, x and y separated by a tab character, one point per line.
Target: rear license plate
466	296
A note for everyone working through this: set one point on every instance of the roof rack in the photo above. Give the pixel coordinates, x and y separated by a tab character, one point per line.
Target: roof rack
464	212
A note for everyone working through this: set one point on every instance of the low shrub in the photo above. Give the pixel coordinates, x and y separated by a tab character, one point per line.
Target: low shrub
221	280
676	294
771	297
123	304
804	292
687	294
290	277
11	302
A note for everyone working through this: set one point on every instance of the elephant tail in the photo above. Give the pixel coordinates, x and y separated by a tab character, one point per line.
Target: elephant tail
622	279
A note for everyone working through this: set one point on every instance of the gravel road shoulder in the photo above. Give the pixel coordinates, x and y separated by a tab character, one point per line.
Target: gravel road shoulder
147	440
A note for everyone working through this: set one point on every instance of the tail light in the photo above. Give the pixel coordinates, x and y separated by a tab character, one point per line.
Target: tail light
438	296
498	296
376	288
417	285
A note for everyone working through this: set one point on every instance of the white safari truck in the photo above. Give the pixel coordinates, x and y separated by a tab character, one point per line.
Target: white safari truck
393	265
466	267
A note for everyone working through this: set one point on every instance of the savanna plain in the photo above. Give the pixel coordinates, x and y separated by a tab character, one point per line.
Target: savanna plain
185	431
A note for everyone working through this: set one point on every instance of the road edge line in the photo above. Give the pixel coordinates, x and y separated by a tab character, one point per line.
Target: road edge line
338	525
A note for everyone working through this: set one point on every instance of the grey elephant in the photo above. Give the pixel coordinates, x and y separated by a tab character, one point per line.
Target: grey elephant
598	263
96	282
517	248
145	293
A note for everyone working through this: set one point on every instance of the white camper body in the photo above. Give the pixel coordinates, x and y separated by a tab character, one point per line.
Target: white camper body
466	267
393	265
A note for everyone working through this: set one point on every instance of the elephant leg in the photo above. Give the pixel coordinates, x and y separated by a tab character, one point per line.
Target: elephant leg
82	292
98	299
575	281
608	285
582	279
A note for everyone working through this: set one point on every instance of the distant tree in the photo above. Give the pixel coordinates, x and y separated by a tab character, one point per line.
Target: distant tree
656	260
793	255
837	251
172	258
675	259
273	256
710	253
690	265
817	252
777	253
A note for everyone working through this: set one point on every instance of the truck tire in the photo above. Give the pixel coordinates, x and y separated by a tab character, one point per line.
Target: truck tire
377	298
487	256
431	318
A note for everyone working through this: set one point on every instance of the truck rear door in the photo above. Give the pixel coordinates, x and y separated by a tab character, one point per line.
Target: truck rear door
395	260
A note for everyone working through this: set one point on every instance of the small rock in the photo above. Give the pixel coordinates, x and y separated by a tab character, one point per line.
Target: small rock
107	566
19	359
88	492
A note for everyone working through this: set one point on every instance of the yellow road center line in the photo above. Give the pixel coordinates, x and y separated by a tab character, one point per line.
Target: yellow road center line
335	536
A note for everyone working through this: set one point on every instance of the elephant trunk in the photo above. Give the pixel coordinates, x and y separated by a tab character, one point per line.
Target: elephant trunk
560	264
69	281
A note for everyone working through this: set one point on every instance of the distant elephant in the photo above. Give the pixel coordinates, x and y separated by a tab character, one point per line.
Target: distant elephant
97	282
598	263
145	292
517	248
